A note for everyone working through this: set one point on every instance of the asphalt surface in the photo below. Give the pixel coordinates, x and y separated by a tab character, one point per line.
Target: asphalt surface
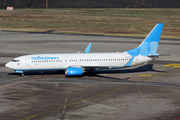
145	92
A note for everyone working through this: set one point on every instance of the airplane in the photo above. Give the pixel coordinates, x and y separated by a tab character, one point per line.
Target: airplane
75	64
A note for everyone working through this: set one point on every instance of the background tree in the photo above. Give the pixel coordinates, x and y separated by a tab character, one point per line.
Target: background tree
143	3
90	3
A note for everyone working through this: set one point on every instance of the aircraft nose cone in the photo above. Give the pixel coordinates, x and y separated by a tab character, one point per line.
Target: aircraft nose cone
8	65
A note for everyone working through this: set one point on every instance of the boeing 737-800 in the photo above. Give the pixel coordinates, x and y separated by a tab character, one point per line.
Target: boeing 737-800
75	64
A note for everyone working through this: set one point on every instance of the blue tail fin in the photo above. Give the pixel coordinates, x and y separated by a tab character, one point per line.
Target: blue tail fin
150	44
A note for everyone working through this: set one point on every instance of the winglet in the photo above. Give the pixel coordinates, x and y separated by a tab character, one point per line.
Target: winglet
88	48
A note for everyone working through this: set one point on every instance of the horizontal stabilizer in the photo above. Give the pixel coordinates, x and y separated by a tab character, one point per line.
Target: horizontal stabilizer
157	55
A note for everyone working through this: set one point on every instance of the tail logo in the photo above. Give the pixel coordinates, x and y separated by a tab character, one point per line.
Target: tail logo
150	44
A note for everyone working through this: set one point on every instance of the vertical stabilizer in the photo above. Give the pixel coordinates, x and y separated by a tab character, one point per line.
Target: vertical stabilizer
150	44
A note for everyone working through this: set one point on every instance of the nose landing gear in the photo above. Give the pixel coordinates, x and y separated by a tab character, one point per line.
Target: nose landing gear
19	71
22	74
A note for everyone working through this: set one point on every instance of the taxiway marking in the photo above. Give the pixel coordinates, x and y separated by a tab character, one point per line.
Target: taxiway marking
11	80
145	75
172	65
177	118
24	81
28	118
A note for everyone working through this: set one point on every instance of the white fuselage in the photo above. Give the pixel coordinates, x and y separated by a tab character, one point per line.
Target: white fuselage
62	61
76	63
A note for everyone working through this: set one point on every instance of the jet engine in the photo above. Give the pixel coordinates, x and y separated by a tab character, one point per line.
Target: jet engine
74	71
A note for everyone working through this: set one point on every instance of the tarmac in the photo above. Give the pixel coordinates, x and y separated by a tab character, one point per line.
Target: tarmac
146	92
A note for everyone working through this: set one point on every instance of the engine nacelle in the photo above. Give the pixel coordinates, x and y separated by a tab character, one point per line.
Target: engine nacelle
74	71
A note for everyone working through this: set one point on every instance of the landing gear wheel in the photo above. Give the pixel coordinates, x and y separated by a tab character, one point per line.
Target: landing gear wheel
22	74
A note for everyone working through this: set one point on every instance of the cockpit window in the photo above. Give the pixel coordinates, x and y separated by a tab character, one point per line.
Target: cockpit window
15	60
